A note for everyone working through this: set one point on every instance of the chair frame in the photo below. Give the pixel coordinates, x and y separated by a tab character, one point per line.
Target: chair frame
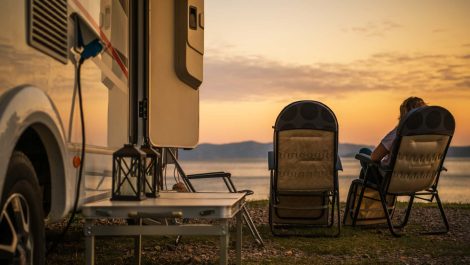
383	187
352	213
226	177
332	196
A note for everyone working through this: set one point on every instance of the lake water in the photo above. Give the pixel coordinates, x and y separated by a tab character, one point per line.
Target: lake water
454	185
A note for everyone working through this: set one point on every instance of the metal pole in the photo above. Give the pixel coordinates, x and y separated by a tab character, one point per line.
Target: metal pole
133	70
239	237
89	243
138	69
138	245
224	240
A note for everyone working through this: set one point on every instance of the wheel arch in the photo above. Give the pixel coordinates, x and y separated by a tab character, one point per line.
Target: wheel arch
28	110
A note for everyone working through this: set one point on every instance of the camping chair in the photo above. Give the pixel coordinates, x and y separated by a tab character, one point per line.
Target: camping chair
226	177
417	157
304	177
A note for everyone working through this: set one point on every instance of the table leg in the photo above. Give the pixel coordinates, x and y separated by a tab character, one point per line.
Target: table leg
89	243
239	237
138	245
224	240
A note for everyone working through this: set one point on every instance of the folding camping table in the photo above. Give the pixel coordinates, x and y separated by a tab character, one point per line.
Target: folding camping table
204	205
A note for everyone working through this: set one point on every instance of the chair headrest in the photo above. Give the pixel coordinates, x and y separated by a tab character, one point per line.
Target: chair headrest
306	114
427	120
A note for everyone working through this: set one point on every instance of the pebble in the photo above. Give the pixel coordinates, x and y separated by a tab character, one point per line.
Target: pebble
196	259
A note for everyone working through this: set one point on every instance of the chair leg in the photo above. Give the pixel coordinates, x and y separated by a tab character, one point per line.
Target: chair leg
272	226
444	218
333	202
270	213
443	214
339	214
358	207
252	227
407	214
272	200
246	214
346	211
348	202
387	214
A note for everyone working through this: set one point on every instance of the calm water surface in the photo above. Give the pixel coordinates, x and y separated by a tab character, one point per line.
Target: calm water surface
454	185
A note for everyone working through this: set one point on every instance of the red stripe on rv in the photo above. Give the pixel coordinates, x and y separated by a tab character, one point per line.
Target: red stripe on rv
109	46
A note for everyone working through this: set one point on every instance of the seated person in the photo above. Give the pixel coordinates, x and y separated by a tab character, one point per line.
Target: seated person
381	152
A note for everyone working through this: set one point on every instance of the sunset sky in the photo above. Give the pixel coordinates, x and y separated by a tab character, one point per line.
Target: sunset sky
361	58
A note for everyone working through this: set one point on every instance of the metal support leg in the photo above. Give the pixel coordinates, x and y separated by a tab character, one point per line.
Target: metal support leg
239	237
89	243
138	245
358	207
137	249
407	213
333	203
349	201
338	212
387	214
443	216
252	227
224	241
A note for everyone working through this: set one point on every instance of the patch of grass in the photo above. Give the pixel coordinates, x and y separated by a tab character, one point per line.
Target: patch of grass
354	246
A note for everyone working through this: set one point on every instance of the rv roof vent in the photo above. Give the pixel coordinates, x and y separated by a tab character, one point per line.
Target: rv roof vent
48	27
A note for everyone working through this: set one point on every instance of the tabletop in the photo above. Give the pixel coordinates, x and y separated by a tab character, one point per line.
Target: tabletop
190	205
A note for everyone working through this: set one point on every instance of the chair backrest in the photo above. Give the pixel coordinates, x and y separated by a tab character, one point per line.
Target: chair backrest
423	137
306	147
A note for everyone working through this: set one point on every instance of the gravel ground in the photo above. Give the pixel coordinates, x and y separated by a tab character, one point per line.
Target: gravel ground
350	248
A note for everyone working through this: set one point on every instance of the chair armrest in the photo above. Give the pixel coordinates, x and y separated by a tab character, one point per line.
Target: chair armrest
209	175
271	160
366	184
226	176
365	158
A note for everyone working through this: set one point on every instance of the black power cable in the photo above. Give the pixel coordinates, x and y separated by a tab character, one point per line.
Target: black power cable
90	50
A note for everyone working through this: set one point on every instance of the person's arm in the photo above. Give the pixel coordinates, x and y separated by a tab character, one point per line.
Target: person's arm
379	152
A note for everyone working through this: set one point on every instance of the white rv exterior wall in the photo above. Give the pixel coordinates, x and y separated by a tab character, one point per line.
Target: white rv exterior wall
37	90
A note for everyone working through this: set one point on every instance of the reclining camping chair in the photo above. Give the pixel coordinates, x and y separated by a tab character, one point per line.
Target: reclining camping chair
417	158
304	177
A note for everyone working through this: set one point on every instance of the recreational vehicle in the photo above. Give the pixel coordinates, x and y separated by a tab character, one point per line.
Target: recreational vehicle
122	72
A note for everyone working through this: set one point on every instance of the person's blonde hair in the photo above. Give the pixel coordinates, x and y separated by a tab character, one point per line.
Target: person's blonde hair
409	104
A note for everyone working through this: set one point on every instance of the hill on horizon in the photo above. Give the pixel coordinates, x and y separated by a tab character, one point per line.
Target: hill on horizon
256	150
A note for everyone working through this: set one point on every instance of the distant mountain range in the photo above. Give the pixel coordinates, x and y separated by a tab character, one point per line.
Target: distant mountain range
254	150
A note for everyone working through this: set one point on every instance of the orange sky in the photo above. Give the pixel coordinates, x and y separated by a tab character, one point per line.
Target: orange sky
361	58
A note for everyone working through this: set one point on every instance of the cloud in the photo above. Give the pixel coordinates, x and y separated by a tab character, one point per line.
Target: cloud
373	29
257	78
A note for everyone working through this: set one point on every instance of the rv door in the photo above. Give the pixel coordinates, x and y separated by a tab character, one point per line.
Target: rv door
176	44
